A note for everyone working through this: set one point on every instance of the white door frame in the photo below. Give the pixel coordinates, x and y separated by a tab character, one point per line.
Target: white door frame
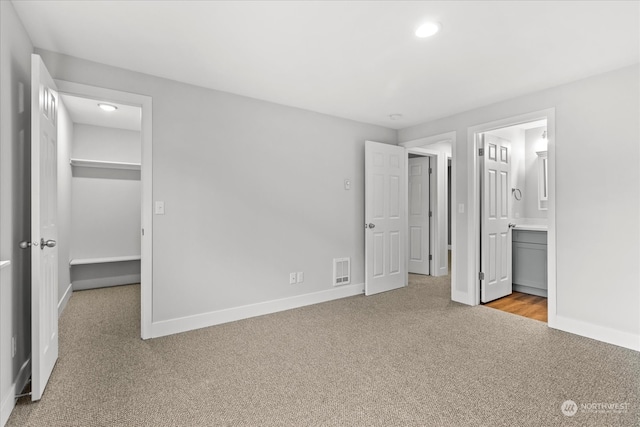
146	178
438	235
473	201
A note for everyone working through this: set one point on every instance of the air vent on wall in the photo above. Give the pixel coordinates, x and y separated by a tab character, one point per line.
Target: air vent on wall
341	271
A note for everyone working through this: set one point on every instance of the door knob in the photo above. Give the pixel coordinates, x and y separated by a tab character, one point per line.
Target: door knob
511	225
25	245
371	225
47	243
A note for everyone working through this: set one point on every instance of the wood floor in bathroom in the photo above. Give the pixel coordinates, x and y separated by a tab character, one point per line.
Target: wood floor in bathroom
531	306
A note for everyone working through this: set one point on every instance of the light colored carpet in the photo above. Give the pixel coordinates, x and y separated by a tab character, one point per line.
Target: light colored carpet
409	357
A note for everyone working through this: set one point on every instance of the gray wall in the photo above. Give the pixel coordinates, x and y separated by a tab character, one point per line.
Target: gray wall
253	191
597	134
15	136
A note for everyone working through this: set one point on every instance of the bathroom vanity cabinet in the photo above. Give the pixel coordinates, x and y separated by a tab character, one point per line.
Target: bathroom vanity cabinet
530	261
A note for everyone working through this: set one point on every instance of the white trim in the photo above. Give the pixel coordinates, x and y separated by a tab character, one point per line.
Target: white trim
4	264
65	299
183	324
85	261
146	178
473	203
104	282
428	140
596	332
9	401
85	163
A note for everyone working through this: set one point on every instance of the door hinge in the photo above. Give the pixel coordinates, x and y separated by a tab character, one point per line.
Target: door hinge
480	152
430	170
143	231
430	214
430	257
481	275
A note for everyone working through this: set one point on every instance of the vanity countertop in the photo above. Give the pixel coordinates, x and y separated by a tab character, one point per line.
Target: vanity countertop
531	227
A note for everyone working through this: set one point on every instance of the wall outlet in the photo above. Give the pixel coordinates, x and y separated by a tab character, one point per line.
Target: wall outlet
292	278
300	277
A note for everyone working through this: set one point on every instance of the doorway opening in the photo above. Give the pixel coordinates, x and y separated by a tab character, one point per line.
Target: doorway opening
99	193
127	171
439	150
420	214
514	215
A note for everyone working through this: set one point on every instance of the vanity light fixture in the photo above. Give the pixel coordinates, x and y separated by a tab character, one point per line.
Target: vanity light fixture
428	29
107	107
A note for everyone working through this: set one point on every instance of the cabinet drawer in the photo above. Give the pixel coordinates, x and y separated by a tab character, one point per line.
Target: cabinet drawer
527	236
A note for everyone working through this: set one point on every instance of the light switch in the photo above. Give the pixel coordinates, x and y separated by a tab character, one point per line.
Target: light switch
159	209
347	184
461	208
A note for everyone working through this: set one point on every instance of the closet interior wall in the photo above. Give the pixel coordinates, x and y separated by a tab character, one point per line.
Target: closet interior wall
105	207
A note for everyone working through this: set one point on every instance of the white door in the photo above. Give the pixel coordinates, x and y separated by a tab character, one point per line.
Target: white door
495	251
385	218
419	218
44	232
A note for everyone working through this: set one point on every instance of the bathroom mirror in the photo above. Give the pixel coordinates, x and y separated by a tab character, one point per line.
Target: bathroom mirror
543	181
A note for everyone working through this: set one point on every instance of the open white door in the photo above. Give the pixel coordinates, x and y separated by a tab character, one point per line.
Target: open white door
419	219
495	186
385	219
44	231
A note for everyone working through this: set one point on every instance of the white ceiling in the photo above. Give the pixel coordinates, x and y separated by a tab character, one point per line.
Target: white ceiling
356	59
86	111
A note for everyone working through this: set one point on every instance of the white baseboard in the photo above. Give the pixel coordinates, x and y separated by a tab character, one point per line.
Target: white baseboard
596	332
9	401
103	282
183	324
65	299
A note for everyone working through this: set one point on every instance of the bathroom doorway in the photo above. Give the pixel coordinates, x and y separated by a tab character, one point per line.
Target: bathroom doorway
514	220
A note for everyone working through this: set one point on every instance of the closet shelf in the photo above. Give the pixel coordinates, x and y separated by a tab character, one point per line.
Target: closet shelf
86	261
4	264
105	165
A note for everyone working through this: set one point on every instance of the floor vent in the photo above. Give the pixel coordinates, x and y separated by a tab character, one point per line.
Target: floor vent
341	271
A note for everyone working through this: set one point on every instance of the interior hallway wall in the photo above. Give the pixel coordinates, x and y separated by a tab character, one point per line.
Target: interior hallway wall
597	264
15	137
252	190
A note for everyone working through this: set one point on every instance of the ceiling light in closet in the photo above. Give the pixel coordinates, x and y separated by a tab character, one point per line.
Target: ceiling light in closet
107	107
428	29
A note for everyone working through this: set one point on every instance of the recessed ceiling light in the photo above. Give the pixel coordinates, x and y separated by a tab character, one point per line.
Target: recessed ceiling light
428	29
396	116
108	107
